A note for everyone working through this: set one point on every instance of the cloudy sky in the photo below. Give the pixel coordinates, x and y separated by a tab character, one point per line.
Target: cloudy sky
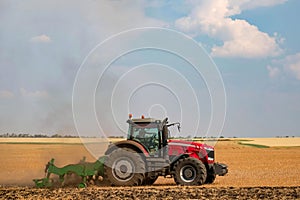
254	43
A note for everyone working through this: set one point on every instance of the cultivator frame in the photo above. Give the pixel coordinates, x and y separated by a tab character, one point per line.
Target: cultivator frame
86	170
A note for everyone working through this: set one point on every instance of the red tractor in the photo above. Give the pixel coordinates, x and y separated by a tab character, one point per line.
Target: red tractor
148	153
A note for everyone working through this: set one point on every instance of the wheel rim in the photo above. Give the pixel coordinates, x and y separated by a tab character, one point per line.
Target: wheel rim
123	169
188	173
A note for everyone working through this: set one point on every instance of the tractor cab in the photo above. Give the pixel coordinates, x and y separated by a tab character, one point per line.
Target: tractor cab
149	132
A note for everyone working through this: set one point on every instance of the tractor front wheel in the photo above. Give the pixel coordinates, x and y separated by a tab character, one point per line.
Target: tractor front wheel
124	167
189	171
211	175
210	178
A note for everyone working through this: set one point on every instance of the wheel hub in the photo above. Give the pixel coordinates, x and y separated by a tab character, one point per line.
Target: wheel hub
123	169
188	173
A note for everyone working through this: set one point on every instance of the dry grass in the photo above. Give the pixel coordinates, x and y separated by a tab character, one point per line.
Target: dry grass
248	166
274	142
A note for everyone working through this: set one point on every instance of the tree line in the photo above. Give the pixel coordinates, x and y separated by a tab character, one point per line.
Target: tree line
40	135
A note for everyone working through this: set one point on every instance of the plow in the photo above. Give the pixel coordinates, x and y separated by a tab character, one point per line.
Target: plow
86	170
146	154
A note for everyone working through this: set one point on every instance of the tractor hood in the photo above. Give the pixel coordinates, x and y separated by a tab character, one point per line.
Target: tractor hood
185	143
197	150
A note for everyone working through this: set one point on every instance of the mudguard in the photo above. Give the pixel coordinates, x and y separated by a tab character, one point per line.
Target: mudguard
128	144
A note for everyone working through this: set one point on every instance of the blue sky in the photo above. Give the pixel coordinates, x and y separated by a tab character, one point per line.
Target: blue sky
255	45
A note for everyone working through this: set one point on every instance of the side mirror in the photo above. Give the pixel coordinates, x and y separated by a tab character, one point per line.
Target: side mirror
178	127
165	121
165	135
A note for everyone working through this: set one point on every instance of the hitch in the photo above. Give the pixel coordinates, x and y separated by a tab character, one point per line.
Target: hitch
220	169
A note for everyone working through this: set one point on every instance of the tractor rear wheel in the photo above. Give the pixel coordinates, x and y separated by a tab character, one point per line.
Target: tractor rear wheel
124	167
189	171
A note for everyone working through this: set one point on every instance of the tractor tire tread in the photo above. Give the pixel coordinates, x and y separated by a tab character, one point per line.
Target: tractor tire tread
200	168
136	180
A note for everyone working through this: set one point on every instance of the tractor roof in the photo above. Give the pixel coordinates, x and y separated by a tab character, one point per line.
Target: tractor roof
145	120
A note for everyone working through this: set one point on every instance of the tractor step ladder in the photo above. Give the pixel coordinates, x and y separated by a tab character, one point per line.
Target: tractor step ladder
155	164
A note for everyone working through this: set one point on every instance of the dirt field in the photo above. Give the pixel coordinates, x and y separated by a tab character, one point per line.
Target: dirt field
253	173
154	192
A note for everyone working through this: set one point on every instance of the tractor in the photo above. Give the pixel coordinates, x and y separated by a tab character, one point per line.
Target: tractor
146	154
149	153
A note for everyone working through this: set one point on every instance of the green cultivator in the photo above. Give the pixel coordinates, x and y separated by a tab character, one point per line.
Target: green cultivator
87	171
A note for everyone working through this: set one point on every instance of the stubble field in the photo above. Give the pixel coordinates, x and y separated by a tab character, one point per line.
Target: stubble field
270	173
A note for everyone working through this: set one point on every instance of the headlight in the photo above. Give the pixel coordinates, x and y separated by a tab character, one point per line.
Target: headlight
210	153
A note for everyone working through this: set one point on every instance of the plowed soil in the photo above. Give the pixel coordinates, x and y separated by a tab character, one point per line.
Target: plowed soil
254	173
157	192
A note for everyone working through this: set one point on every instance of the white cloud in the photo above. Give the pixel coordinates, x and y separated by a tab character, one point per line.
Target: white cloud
250	4
35	94
289	64
292	64
41	38
239	37
6	94
273	71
